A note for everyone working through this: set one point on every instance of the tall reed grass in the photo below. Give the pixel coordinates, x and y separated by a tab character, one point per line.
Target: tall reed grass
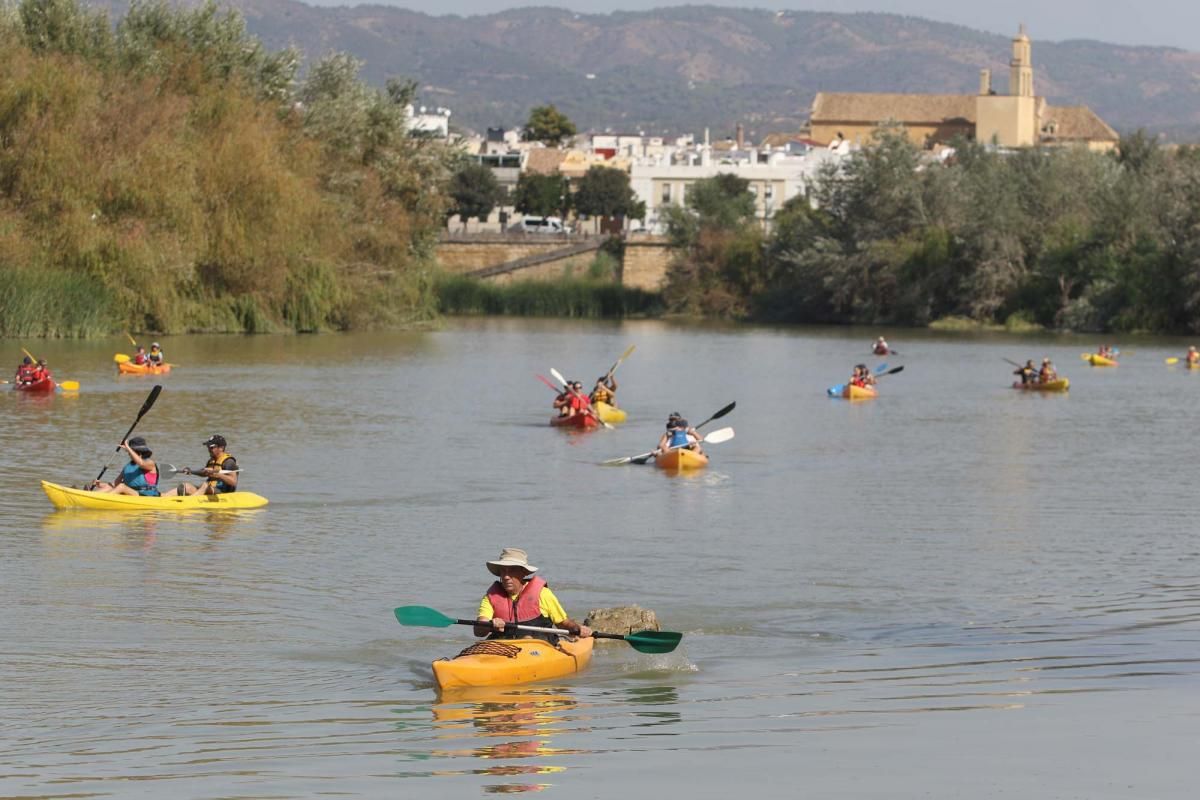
41	303
566	297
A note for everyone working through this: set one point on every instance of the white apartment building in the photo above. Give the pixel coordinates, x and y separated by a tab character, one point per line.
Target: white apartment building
775	176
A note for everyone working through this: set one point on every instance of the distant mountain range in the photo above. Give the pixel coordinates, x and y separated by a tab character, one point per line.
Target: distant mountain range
683	69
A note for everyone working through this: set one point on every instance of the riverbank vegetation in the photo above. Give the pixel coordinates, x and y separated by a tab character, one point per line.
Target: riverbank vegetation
1060	238
170	174
589	297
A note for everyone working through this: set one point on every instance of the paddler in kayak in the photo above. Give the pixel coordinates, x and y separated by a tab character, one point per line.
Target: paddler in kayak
1193	356
881	347
605	390
1028	372
25	371
156	356
862	376
679	434
139	357
41	372
523	598
1047	373
138	477
221	471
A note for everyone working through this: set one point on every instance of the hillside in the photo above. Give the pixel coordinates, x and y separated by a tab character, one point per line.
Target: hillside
682	69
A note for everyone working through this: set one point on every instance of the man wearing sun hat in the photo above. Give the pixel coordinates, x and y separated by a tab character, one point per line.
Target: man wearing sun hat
520	596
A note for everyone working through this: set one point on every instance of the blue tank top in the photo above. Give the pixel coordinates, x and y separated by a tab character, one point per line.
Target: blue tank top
135	478
679	437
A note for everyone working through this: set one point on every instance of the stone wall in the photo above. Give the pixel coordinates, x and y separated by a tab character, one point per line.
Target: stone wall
645	265
646	261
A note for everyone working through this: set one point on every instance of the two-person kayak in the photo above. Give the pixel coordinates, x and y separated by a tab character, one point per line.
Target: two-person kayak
43	386
68	497
1056	385
130	368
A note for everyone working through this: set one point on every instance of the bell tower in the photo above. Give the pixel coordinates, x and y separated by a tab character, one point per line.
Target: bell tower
1020	68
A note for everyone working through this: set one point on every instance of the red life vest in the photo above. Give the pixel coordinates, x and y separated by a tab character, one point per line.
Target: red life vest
139	358
525	611
25	373
579	402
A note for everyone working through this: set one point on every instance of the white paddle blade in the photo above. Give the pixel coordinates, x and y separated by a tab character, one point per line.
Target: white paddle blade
719	435
558	376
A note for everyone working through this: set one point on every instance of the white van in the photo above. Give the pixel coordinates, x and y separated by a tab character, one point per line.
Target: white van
542	225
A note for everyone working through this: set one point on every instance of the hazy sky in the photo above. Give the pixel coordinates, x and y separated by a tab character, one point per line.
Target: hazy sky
1164	22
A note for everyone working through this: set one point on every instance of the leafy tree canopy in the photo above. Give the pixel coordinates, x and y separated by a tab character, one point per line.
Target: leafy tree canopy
540	195
474	192
605	192
548	125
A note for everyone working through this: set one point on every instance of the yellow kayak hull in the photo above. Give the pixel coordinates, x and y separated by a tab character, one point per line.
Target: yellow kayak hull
537	660
681	459
66	497
130	368
852	392
1059	385
1101	361
610	414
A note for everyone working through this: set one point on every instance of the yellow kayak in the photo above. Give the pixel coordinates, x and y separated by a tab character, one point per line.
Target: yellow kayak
1101	361
852	392
681	459
610	414
506	662
66	497
1059	385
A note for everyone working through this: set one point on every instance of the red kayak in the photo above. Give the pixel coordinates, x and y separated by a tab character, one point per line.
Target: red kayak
583	421
46	384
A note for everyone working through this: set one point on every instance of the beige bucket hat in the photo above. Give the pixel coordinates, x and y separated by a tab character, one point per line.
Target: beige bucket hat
511	557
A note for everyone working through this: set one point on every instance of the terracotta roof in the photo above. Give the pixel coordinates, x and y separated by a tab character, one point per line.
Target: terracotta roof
831	107
1077	123
544	160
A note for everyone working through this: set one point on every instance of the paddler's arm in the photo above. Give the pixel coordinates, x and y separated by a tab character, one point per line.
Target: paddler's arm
549	606
485	622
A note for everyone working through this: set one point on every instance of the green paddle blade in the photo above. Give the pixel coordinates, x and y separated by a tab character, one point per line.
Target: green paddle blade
654	641
425	617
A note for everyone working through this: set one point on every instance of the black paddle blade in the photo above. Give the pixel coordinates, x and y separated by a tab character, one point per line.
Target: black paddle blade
154	393
723	411
654	641
894	370
422	616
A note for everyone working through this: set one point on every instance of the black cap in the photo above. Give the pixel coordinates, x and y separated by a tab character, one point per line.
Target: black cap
27	360
138	445
216	439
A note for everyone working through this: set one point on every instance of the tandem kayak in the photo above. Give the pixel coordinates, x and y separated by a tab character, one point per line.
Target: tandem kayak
582	421
610	414
506	662
66	497
1101	361
130	368
43	386
1057	385
680	459
852	392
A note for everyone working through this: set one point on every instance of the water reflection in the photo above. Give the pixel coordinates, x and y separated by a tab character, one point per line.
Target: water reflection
527	720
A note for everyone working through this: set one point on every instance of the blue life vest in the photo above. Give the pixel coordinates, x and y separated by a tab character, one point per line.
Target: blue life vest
679	438
134	477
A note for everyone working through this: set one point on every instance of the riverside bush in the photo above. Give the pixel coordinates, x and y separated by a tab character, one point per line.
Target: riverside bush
170	174
566	297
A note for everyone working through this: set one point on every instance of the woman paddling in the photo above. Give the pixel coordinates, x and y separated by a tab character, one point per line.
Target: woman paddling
138	477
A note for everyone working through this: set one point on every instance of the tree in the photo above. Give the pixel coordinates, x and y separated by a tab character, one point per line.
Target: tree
605	192
723	201
548	125
474	192
540	195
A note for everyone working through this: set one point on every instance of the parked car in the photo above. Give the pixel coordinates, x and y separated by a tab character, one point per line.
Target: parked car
543	225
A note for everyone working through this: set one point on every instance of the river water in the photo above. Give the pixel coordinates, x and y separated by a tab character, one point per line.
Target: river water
954	590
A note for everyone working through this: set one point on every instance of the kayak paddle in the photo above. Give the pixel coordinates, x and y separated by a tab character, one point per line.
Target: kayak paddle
558	377
146	406
1172	360
628	352
121	358
716	437
642	641
891	371
132	341
170	471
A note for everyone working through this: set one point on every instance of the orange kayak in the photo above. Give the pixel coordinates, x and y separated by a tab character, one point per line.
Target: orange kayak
681	459
130	368
852	392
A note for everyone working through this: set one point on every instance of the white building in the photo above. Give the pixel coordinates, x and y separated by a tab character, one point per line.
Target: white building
775	176
434	122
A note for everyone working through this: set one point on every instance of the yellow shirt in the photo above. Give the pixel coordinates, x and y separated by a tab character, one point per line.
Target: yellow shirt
547	603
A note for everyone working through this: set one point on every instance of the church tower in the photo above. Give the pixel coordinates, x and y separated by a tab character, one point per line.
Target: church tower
1020	67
